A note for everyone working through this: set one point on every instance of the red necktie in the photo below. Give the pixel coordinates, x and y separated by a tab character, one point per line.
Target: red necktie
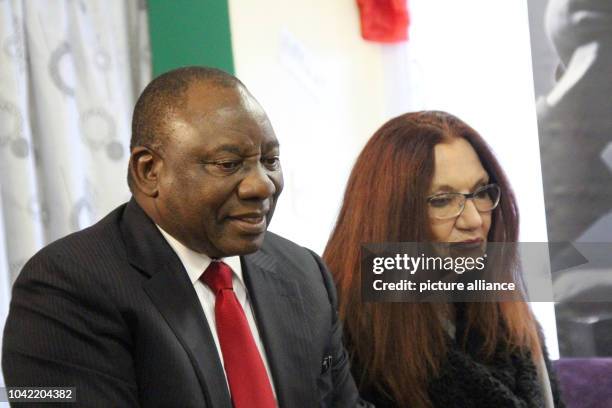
246	374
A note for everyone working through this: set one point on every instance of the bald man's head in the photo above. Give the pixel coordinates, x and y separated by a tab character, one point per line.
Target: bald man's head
164	96
205	162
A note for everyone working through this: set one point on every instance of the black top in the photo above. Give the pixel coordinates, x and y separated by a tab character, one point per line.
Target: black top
467	380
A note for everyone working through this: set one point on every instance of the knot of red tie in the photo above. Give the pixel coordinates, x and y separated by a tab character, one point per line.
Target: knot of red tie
218	276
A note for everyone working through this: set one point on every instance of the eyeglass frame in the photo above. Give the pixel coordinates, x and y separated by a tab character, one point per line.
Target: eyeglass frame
470	196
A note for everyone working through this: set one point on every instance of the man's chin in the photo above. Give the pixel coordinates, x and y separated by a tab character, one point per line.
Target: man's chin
244	245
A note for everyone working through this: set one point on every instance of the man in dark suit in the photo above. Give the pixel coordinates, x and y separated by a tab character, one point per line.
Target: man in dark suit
180	297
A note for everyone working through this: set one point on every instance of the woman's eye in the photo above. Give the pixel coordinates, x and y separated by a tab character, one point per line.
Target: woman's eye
440	201
485	192
482	194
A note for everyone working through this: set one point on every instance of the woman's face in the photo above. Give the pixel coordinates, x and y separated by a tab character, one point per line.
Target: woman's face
458	170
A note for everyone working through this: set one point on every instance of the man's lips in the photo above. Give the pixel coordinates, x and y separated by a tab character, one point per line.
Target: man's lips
250	223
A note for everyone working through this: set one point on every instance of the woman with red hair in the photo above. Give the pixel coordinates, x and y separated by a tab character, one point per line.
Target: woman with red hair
429	177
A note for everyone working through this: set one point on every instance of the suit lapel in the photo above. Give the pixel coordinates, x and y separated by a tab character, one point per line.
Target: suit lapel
283	326
175	298
172	293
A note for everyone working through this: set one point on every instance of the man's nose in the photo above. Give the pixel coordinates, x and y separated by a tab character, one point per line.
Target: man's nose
470	217
257	184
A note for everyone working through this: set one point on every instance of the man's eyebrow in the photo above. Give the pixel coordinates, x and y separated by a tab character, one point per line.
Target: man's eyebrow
231	148
272	145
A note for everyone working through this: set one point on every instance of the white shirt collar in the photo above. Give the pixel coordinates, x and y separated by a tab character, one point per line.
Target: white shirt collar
196	263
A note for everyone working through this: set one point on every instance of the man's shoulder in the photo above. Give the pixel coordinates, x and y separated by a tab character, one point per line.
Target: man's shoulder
88	242
77	263
295	260
303	266
281	247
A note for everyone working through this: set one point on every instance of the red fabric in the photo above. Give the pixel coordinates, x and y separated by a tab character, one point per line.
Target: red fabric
246	374
384	20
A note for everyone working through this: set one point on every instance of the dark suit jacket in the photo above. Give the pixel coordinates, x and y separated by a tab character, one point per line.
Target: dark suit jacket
111	311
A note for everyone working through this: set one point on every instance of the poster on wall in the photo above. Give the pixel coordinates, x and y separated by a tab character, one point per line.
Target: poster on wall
571	45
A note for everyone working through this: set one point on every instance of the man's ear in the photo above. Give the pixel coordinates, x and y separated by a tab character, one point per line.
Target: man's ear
144	167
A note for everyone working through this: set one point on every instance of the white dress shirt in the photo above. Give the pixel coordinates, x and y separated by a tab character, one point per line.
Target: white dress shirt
195	264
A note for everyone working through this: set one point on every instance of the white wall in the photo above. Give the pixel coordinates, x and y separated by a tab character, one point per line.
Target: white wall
321	85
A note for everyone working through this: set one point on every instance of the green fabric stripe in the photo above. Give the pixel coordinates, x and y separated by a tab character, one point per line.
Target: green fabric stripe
190	32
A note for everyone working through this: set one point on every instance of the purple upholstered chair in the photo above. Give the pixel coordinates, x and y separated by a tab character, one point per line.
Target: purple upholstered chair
585	382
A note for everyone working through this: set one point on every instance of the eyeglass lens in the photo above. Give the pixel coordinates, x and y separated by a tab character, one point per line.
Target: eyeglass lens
450	205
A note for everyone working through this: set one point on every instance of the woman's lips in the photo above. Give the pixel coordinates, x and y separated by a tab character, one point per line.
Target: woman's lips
468	243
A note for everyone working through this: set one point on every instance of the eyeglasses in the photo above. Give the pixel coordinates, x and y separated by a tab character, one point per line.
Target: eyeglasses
450	205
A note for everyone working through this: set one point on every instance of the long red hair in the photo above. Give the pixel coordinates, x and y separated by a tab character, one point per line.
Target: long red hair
400	346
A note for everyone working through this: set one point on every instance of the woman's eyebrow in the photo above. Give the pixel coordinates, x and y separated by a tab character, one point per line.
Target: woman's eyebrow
483	181
445	188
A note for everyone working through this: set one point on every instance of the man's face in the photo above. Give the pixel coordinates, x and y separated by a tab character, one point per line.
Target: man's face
221	174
